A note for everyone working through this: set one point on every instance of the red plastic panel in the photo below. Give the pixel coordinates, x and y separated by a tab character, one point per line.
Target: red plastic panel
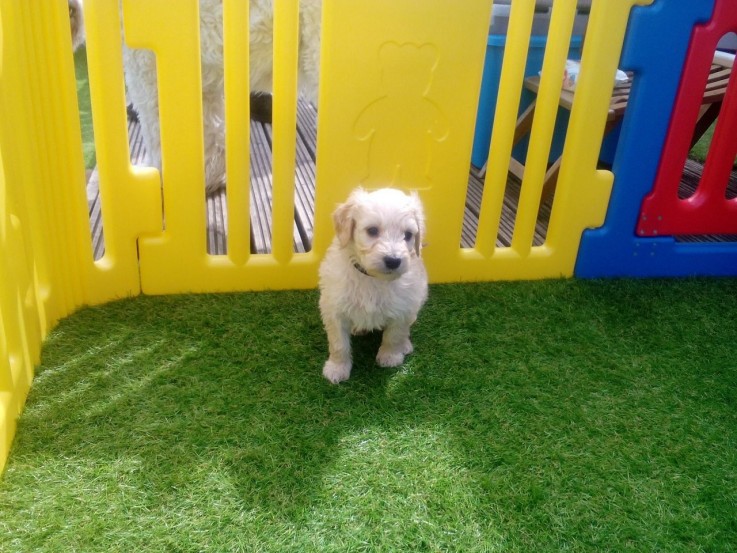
707	211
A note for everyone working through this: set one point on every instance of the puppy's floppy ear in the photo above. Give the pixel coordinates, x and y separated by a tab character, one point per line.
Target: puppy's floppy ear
343	217
419	215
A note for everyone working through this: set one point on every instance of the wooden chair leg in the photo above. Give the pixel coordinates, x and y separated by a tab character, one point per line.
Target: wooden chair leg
521	129
551	175
524	123
516	168
707	116
551	179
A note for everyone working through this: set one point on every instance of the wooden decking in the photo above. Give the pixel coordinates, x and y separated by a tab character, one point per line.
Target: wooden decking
261	140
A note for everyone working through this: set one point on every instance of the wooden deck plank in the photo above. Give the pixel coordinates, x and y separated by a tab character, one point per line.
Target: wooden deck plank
306	172
304	178
98	239
509	211
260	188
217	224
306	169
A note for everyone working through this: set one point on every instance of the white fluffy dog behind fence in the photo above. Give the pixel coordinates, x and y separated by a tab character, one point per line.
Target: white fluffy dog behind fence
372	277
76	20
140	73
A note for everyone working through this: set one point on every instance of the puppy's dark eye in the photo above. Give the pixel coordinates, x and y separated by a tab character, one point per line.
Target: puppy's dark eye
373	232
408	236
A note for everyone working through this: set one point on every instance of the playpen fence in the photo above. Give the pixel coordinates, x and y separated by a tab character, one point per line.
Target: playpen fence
709	210
381	60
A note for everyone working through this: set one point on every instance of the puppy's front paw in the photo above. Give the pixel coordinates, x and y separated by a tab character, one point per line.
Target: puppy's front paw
393	357
407	347
336	372
389	357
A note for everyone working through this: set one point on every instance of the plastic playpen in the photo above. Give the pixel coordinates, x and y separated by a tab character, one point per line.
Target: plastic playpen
417	105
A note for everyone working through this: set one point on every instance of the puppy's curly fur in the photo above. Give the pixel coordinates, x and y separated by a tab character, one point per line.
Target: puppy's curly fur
372	276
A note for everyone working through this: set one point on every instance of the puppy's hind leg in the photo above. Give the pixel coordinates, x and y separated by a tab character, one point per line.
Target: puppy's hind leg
395	344
338	366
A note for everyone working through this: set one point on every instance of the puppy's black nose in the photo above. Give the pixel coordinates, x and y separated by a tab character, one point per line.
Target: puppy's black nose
392	262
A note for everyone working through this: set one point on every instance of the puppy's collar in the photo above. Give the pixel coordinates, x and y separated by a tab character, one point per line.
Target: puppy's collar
360	268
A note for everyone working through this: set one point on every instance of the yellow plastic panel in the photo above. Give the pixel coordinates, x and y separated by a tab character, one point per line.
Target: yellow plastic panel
175	260
21	321
47	268
286	40
398	96
20	332
582	192
399	85
14	275
28	133
48	157
42	204
20	328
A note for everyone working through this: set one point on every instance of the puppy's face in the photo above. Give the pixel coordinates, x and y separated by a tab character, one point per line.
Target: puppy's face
383	228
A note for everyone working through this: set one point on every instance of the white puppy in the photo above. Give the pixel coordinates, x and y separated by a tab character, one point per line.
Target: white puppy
372	276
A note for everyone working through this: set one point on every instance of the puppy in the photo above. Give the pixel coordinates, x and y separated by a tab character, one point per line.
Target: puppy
140	75
372	276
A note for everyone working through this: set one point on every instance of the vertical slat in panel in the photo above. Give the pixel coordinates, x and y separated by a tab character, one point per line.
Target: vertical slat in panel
237	114
505	117
543	126
286	42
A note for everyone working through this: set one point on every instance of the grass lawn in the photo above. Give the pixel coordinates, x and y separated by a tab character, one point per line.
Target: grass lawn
547	416
85	108
699	150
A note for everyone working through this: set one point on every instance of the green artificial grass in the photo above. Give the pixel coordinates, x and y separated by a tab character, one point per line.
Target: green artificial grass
85	107
548	416
700	149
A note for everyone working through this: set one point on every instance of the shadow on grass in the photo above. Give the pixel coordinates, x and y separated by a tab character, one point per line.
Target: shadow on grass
546	415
